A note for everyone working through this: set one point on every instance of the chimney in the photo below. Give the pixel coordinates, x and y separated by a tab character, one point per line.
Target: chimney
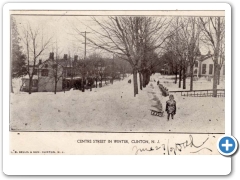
51	56
40	61
65	56
75	57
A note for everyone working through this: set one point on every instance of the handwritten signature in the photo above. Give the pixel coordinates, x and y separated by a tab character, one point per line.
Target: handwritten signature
178	147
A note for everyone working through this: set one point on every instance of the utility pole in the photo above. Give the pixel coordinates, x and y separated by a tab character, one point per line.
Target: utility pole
85	55
85	43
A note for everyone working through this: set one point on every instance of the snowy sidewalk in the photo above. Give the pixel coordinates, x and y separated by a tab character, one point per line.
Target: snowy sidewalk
113	108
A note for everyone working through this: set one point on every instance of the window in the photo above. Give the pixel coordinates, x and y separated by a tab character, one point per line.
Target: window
196	63
204	67
54	66
44	72
223	69
46	65
35	72
210	68
195	71
34	83
69	72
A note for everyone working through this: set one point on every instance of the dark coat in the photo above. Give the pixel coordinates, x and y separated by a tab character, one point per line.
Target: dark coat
171	107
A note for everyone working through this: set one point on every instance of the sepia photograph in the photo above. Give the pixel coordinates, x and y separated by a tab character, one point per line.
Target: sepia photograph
117	73
91	86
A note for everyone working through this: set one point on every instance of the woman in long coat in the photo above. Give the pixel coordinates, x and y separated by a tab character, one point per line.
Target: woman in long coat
171	106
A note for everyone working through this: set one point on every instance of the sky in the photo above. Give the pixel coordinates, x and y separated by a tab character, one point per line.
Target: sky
61	29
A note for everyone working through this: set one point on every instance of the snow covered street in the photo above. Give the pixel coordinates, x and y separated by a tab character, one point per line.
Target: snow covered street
113	108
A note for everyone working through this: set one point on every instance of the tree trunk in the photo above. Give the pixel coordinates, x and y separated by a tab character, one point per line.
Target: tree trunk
147	77
135	84
140	80
144	79
83	87
55	89
176	75
184	78
219	72
175	78
191	78
215	79
180	78
96	82
216	55
30	85
11	87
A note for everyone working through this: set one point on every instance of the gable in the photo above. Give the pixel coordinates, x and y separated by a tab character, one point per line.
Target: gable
208	61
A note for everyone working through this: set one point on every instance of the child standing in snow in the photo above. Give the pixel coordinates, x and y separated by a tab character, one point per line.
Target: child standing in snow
171	106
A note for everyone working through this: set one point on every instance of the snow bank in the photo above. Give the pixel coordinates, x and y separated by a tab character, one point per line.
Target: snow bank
113	108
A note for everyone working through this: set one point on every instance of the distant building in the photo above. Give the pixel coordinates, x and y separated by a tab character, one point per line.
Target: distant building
45	73
67	71
204	66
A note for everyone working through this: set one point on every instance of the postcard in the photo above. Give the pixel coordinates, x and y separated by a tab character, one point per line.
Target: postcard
101	80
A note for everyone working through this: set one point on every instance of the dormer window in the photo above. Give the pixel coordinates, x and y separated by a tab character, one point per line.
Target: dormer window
46	65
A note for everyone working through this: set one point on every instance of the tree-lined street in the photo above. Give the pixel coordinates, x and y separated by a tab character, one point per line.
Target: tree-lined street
114	109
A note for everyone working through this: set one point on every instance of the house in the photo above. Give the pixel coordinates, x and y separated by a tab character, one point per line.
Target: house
50	76
204	67
47	76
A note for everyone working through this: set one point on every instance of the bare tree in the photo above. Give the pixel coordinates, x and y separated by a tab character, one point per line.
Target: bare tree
214	35
185	45
191	32
35	45
125	37
178	48
221	59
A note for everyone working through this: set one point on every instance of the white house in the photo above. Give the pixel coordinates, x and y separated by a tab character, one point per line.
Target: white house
204	67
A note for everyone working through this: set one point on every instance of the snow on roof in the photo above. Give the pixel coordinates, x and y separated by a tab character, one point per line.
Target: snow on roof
204	57
69	78
27	77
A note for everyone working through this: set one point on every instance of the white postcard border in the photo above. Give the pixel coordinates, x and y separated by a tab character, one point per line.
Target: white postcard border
112	165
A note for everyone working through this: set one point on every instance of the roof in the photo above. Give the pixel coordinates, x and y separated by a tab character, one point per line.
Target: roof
44	62
65	62
27	77
204	57
69	78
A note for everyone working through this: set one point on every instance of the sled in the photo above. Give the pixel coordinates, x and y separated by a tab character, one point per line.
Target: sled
156	113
